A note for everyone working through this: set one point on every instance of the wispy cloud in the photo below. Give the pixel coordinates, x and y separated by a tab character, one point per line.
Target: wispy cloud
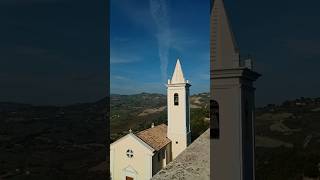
122	55
124	60
121	78
121	39
159	12
134	12
182	41
154	39
204	76
137	87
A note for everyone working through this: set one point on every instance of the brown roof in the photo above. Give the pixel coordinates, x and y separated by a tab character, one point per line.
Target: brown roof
156	137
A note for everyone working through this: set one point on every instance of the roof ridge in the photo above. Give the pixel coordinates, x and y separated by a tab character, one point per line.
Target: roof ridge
150	128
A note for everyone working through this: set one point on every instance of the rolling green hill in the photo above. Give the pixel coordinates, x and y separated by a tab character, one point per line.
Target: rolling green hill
139	111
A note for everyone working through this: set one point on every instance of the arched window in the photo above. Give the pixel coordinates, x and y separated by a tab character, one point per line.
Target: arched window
176	99
214	122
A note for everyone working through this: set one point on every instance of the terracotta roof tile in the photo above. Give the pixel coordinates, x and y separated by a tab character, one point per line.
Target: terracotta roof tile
156	137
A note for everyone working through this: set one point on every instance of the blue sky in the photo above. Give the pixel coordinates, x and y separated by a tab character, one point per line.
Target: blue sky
146	38
282	36
54	51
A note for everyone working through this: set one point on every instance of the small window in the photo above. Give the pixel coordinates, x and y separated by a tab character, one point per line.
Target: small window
158	156
214	118
176	142
129	153
176	99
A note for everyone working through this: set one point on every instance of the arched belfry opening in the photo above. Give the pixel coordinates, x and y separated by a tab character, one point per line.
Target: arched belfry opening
214	120
176	99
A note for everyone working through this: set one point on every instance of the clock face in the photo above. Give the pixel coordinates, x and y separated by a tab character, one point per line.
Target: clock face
129	153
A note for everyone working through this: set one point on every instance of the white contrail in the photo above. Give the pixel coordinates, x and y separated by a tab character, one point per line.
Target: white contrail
160	15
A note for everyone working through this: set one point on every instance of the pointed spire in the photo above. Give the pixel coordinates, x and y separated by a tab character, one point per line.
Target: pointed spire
224	49
177	76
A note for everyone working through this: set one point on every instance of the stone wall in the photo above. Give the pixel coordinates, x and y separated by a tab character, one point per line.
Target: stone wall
193	163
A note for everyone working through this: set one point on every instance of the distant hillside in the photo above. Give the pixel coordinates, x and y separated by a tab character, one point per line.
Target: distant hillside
51	142
288	140
68	142
287	135
140	110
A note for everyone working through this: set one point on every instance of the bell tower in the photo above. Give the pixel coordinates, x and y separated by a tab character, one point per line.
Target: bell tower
232	102
178	111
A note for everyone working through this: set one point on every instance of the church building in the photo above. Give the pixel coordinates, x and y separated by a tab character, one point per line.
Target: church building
140	155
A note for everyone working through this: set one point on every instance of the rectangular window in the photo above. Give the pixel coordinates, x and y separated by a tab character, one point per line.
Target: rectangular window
214	120
176	99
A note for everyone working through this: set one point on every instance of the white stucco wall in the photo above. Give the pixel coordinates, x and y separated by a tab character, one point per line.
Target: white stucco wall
178	118
139	166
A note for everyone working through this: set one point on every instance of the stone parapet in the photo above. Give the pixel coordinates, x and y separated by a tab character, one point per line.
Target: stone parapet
193	163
